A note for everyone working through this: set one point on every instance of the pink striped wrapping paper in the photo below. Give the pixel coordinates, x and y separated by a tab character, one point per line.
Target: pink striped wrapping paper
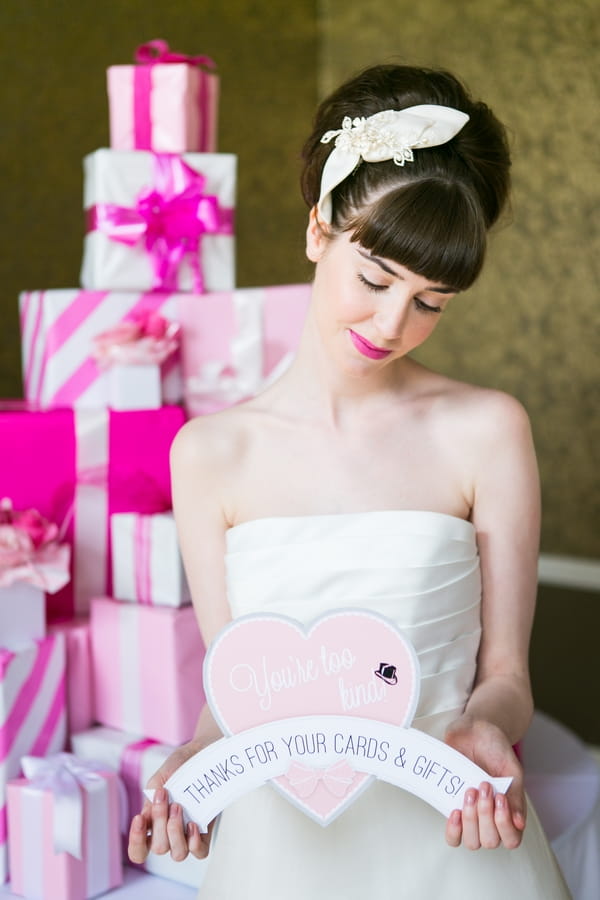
36	870
32	714
118	178
147	669
136	759
146	562
170	108
78	678
247	332
57	332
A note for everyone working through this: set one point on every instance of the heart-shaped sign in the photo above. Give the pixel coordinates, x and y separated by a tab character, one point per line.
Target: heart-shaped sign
265	668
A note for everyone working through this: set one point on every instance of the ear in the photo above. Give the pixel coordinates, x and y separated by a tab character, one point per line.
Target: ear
318	235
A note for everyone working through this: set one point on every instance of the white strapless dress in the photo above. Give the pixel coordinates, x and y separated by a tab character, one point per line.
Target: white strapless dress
420	570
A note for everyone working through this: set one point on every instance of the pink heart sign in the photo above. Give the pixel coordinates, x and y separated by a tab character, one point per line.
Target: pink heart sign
354	663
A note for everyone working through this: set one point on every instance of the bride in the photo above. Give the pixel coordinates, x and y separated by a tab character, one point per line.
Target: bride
362	474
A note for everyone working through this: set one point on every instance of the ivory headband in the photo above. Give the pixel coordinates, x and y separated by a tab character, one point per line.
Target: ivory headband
390	134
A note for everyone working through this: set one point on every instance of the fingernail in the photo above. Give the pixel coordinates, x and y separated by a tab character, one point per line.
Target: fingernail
484	790
190	829
174	810
500	801
160	796
137	823
470	798
455	817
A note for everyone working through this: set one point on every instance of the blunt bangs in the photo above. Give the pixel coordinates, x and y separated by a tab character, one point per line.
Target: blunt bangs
430	226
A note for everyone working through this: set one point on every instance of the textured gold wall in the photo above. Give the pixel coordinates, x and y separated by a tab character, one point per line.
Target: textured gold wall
531	324
53	110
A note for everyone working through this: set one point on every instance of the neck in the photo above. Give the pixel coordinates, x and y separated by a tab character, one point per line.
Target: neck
322	389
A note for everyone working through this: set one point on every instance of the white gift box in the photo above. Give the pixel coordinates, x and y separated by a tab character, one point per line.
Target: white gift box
136	760
146	562
22	615
117	179
134	387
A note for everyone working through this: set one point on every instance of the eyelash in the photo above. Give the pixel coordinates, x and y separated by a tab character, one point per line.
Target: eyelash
377	288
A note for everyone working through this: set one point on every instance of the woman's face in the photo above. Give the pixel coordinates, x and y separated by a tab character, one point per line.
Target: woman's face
370	311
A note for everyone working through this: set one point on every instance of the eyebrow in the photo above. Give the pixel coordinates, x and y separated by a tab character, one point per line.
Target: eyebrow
383	265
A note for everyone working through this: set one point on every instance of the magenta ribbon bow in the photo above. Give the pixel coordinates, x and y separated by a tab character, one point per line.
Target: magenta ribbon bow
304	780
158	51
170	217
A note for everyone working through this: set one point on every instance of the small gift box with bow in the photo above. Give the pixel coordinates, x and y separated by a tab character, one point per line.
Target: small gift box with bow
136	758
167	102
133	352
64	823
147	669
159	221
146	562
33	561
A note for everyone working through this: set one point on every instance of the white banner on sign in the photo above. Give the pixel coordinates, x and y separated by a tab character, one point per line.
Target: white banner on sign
321	764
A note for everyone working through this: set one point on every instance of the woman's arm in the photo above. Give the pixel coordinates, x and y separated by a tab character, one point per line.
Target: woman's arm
506	516
199	457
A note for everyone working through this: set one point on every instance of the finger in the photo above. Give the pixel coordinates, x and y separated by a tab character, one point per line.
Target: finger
137	849
454	828
198	843
488	832
160	811
470	821
510	835
176	834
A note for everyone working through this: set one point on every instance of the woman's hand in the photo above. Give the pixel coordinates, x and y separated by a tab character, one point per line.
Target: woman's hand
159	827
487	821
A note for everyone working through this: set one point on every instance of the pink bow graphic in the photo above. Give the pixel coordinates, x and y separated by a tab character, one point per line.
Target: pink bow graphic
170	217
304	780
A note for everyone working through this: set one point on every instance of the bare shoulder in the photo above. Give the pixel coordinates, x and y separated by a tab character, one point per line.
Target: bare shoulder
483	414
215	440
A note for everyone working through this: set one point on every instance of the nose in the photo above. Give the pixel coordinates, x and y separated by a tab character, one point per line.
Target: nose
390	317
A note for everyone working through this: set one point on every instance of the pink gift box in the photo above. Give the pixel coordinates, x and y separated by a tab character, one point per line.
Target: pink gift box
136	759
167	103
78	467
32	713
147	663
79	692
39	817
230	342
159	221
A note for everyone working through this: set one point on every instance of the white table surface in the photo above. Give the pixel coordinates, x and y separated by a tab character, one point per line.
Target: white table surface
138	886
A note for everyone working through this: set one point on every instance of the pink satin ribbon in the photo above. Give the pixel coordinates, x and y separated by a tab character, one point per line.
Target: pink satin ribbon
143	555
130	771
336	779
158	51
171	219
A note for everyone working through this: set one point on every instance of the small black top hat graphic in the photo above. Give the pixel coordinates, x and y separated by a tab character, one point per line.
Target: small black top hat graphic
387	673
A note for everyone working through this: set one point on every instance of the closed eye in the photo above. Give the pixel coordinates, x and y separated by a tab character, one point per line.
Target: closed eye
370	285
425	307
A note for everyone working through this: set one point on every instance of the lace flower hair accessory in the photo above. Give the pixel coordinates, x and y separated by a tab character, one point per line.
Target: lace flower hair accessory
389	134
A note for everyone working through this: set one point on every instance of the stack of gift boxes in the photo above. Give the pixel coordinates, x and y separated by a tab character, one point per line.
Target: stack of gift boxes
101	655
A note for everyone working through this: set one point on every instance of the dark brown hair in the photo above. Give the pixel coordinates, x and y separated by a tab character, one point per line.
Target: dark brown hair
431	215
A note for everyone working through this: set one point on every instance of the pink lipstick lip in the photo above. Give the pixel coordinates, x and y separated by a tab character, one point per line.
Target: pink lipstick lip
366	347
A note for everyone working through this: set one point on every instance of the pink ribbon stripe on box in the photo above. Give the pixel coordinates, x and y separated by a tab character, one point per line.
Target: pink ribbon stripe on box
170	218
